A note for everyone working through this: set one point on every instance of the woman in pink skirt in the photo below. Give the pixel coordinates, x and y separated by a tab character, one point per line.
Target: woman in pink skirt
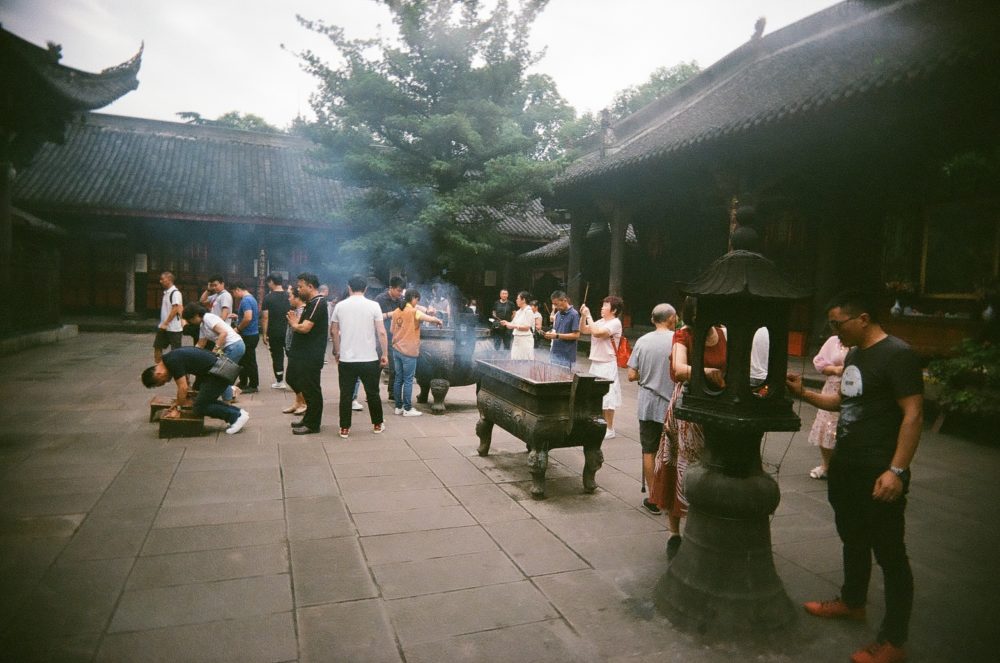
829	362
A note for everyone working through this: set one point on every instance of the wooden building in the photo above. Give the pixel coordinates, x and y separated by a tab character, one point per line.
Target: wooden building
867	136
38	98
139	196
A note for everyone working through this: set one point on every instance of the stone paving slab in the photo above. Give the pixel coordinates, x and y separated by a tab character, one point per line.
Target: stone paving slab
118	546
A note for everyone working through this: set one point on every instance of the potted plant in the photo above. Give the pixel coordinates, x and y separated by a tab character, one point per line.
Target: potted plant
969	388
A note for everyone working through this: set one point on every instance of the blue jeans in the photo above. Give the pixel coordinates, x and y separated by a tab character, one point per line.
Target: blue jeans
234	352
402	386
207	403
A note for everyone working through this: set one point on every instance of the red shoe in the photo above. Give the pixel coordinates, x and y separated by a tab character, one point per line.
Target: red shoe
344	432
879	652
835	609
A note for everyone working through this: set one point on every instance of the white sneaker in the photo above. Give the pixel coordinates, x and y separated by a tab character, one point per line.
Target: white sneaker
610	434
398	410
279	385
238	425
412	412
355	406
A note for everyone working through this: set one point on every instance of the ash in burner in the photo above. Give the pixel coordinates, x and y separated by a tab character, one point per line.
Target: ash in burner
534	371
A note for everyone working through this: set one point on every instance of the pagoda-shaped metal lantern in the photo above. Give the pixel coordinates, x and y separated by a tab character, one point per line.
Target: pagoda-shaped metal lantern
723	582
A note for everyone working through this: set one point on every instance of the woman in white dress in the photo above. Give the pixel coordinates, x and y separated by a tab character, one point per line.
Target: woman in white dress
523	345
829	362
605	335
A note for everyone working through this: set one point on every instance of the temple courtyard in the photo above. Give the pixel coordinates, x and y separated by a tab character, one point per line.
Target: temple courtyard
116	545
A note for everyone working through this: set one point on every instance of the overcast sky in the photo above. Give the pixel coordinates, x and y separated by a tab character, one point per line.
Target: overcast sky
214	56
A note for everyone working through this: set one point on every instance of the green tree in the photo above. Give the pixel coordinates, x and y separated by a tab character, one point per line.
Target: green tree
435	127
232	120
661	81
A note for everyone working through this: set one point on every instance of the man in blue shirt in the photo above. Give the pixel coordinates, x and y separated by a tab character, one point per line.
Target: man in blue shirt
248	326
565	331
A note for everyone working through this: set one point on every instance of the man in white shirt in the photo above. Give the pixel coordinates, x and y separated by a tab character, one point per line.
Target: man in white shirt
217	299
169	331
360	348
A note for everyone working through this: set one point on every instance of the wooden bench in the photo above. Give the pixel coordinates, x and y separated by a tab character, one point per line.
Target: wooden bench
157	405
187	425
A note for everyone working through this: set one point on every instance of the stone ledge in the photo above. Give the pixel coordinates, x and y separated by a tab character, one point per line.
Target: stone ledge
14	344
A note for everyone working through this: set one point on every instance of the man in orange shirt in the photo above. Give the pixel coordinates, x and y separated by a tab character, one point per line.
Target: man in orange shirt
406	349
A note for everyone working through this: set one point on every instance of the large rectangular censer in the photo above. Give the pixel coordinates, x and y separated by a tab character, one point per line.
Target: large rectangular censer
546	406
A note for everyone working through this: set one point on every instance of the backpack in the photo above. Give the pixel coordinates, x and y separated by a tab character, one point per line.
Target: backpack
623	351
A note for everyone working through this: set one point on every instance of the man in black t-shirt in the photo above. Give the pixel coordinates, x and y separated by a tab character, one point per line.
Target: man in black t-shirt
274	324
305	357
881	417
389	301
503	309
177	365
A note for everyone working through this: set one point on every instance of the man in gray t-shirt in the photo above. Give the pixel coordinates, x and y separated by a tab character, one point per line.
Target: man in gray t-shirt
650	366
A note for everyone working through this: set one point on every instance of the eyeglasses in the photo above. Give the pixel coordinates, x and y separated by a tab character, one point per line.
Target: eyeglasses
837	324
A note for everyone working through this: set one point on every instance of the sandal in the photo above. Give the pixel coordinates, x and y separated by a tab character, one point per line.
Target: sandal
290	409
818	472
299	410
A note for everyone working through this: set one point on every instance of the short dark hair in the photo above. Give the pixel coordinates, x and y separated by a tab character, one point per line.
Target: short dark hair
558	294
239	285
397	282
617	305
167	271
412	294
149	377
308	278
218	278
276	279
524	294
357	283
533	302
857	302
192	309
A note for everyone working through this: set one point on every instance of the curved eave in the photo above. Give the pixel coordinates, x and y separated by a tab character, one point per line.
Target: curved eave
744	273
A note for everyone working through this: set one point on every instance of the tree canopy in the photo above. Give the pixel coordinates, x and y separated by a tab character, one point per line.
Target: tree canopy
436	126
232	120
660	82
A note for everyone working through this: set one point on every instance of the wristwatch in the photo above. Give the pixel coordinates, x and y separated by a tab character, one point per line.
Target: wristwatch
902	473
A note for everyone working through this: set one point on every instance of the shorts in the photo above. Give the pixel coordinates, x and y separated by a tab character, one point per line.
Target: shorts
649	435
165	338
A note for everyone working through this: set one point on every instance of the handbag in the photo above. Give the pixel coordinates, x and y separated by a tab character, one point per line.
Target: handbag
225	368
623	351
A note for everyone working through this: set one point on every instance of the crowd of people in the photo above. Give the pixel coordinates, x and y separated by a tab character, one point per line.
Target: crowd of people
872	379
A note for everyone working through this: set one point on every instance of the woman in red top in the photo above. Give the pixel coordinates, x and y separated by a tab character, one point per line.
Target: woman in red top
683	441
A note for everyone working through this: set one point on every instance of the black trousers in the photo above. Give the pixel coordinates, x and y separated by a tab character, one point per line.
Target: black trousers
502	336
349	372
249	375
276	346
304	377
390	369
868	526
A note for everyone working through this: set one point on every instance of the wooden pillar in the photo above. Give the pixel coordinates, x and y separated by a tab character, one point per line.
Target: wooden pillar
130	285
577	241
616	271
6	244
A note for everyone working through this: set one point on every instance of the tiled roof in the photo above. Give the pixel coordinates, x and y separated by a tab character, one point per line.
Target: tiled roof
560	247
525	222
150	168
850	49
78	90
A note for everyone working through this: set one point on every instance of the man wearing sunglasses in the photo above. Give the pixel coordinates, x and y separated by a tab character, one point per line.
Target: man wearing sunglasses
881	417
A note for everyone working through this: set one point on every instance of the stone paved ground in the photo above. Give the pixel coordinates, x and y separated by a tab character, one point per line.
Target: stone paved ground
118	546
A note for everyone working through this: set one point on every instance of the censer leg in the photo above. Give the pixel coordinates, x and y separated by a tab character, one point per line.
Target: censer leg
538	463
484	430
593	461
